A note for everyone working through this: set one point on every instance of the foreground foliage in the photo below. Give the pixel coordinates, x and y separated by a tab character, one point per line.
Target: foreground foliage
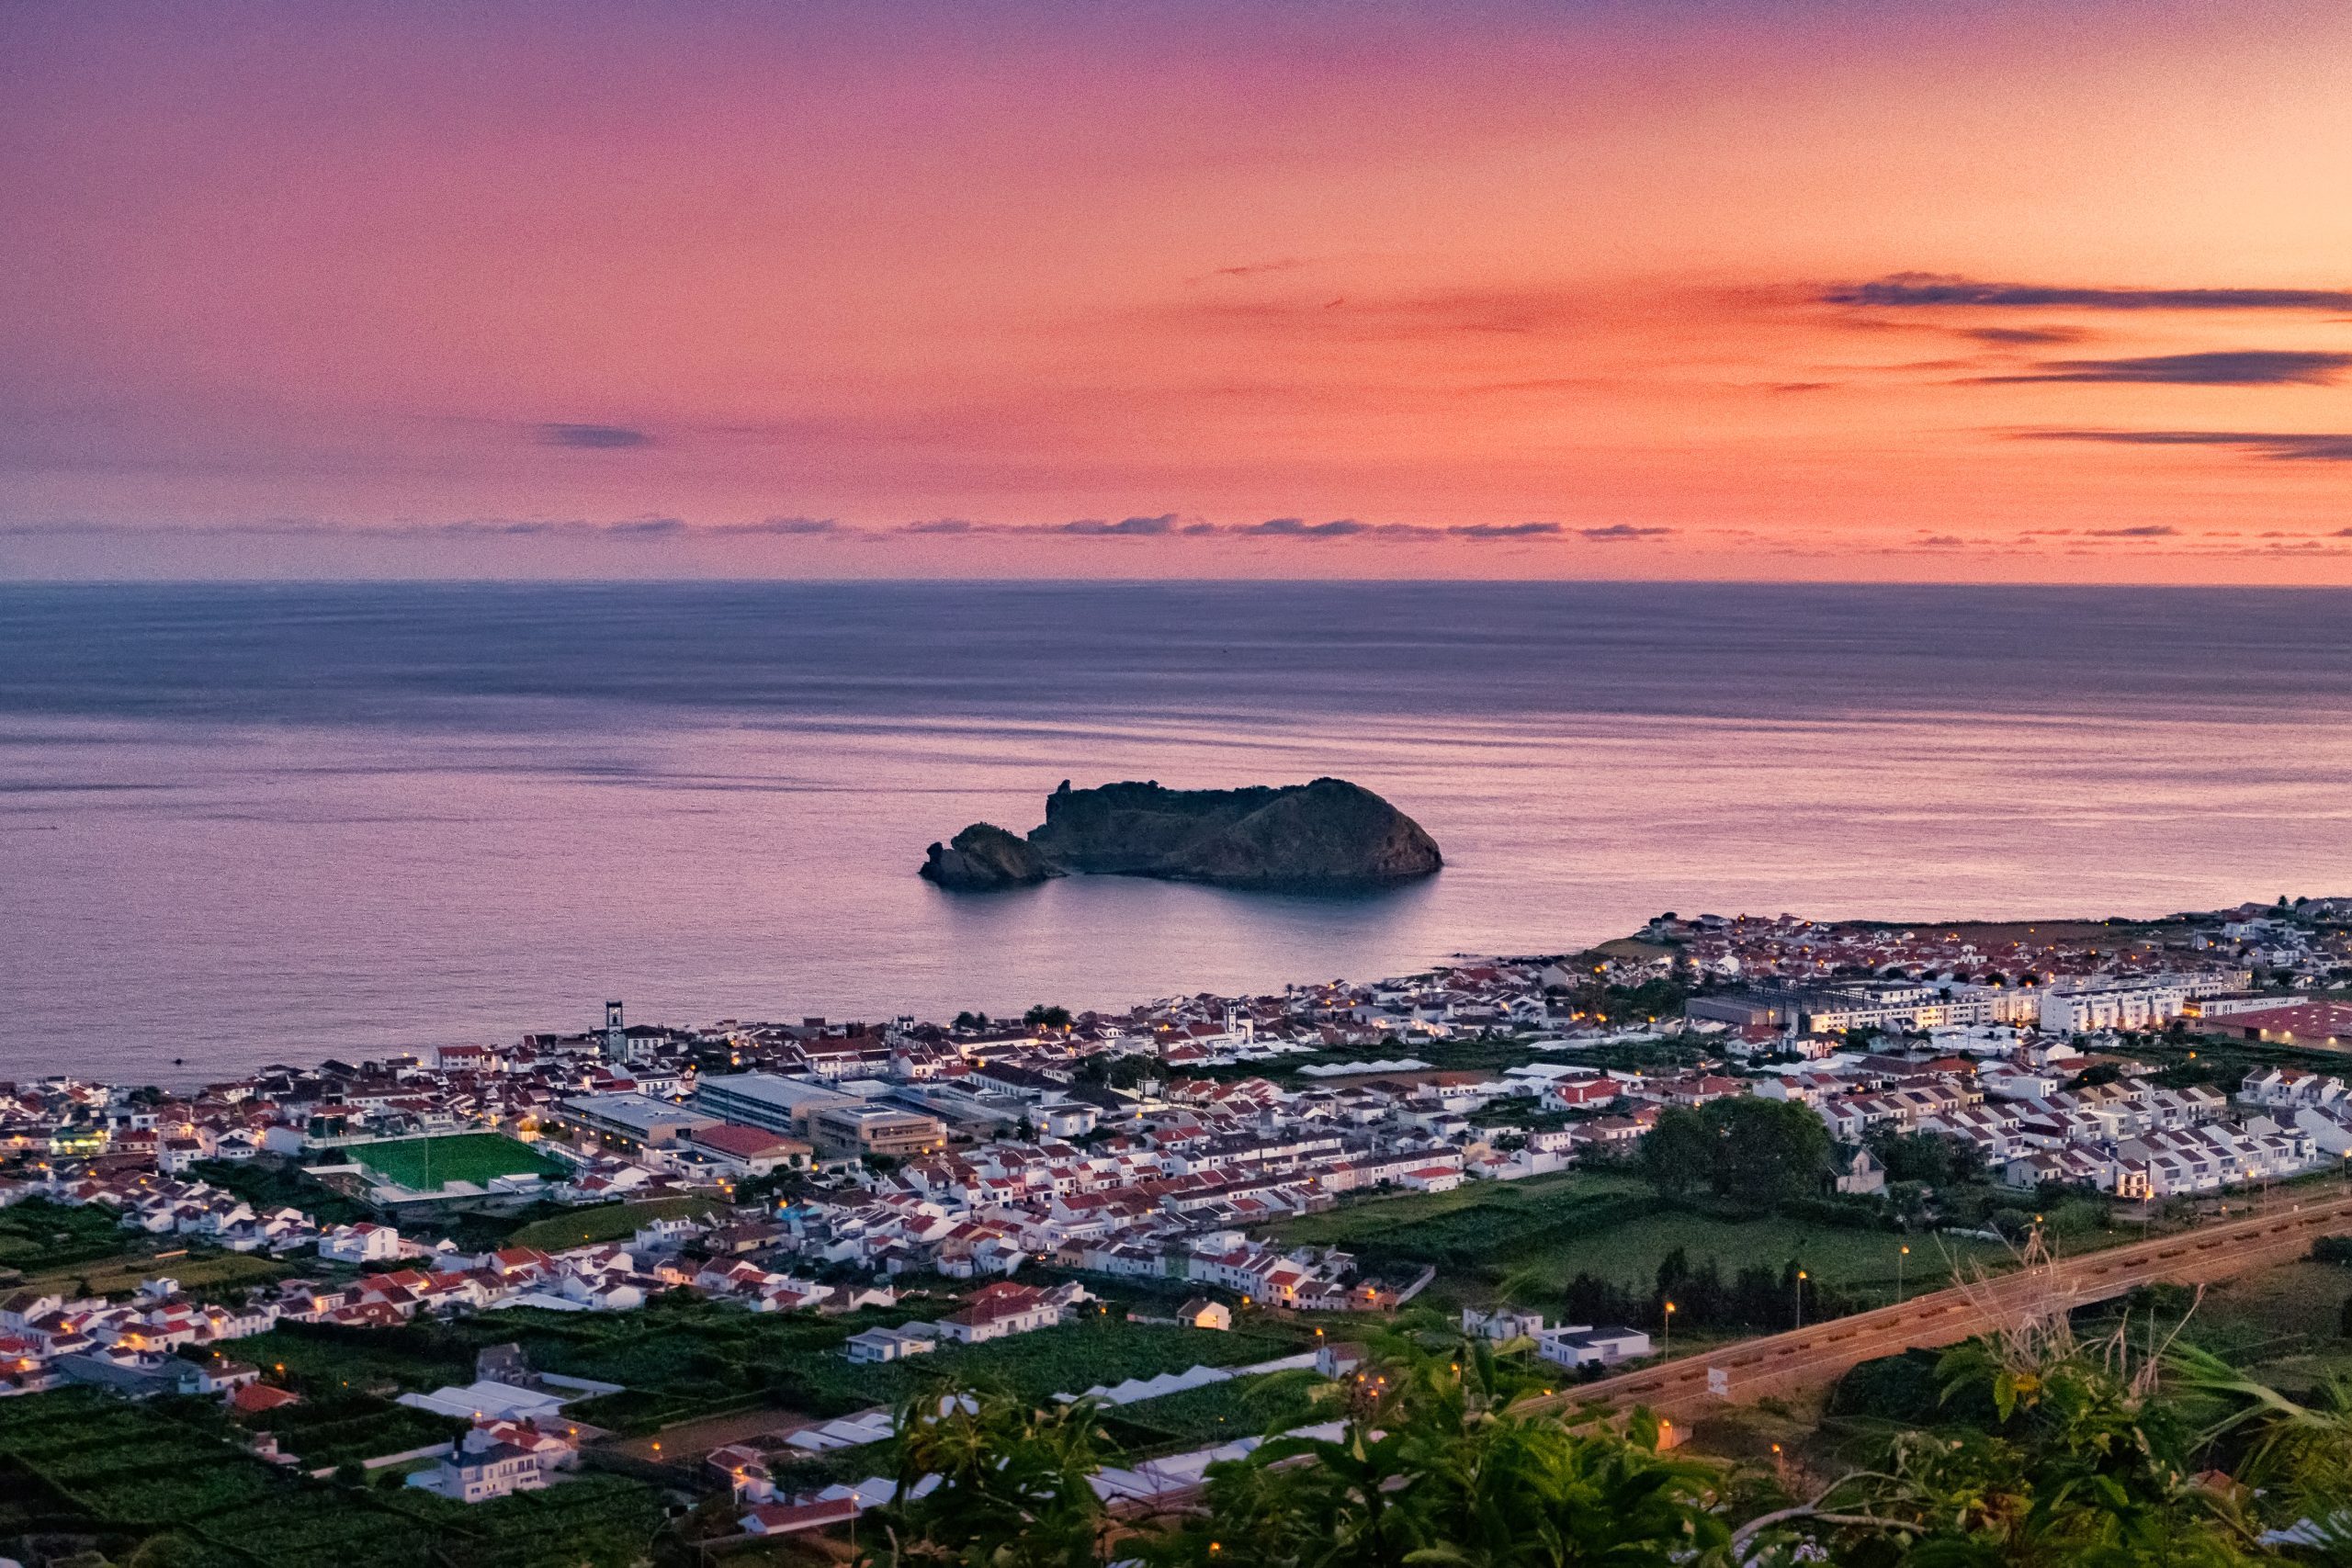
2041	1450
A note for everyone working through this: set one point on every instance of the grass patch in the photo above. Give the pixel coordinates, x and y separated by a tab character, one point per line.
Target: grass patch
2287	1320
425	1164
606	1222
1854	1260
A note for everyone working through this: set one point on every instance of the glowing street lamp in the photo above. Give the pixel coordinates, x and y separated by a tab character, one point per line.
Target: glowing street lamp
1666	1346
1801	1277
1902	1254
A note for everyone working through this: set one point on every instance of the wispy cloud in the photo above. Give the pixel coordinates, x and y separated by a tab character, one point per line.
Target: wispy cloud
1299	528
1437	313
2024	337
1141	527
459	529
2137	531
1257	269
1125	528
1923	288
783	527
655	529
591	438
1488	531
2221	368
2274	445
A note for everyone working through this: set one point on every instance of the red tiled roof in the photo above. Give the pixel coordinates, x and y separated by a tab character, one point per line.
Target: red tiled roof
782	1519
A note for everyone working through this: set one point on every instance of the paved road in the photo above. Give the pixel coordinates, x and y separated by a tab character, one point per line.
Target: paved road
2276	1233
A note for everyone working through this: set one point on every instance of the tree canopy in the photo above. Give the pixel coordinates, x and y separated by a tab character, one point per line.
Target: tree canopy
1752	1151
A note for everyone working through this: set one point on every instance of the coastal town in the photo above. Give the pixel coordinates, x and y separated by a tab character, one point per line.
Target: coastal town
484	1269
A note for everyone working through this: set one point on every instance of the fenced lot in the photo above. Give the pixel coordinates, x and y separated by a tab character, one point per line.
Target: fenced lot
425	1165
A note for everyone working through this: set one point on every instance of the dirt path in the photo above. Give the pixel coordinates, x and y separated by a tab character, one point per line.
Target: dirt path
1809	1357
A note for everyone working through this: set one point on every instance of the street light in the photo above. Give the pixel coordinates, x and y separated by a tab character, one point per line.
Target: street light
1899	1257
1801	1277
1666	1347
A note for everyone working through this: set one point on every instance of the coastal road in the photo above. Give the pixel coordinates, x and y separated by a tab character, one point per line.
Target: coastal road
2279	1232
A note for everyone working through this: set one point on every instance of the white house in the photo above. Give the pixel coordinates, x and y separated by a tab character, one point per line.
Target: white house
363	1243
497	1458
891	1343
1586	1346
1201	1312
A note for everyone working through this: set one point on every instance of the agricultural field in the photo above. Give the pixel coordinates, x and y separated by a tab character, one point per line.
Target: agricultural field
321	1364
83	1251
199	1272
1220	1412
168	1476
39	1238
1482	1231
424	1165
1360	1220
343	1427
679	1360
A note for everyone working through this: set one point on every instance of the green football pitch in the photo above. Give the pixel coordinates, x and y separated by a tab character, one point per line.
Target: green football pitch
425	1165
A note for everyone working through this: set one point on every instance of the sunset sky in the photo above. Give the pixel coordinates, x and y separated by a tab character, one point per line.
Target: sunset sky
1772	289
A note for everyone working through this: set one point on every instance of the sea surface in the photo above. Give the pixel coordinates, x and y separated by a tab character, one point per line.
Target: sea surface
241	824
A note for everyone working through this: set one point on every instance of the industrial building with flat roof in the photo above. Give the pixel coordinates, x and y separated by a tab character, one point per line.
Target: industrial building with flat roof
636	1120
766	1099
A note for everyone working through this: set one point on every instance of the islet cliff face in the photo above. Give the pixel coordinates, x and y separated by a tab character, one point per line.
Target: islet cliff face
1326	834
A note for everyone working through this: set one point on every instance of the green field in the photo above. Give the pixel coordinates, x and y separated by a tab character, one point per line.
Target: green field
424	1165
1539	1234
606	1222
1360	1220
1861	1260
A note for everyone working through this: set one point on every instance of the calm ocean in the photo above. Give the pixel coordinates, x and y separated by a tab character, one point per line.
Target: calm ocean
240	824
